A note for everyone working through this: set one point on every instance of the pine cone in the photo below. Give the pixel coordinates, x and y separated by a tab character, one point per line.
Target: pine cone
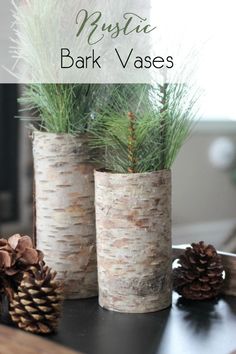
36	306
17	254
200	275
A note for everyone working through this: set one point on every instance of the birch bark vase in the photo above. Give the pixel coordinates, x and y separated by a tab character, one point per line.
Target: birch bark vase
65	215
134	249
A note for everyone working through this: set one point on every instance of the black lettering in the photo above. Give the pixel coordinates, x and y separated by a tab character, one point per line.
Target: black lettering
156	61
67	55
171	61
148	60
138	63
124	64
95	60
80	63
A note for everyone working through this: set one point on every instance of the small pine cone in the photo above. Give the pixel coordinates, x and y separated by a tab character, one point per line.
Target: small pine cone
36	307
200	275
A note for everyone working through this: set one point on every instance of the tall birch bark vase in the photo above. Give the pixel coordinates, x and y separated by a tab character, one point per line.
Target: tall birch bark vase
65	215
133	220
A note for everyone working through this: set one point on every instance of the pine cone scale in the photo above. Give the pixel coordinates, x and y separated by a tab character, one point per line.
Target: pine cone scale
46	290
25	302
39	301
37	317
30	309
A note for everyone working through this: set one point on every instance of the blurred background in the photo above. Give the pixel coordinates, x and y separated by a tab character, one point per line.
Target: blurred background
204	183
204	186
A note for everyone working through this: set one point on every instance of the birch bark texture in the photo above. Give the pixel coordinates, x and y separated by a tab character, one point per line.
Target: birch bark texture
134	248
65	214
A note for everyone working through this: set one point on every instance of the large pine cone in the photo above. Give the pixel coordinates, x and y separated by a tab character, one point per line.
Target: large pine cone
36	307
200	275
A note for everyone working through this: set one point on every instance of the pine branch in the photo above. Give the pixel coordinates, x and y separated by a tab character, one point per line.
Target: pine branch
62	108
152	136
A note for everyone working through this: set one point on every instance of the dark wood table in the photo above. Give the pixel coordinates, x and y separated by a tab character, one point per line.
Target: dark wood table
186	328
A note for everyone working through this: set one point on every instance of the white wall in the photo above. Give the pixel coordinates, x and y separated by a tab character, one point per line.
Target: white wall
204	198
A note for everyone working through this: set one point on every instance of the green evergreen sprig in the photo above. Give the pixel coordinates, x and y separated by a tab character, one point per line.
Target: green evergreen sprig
164	115
61	108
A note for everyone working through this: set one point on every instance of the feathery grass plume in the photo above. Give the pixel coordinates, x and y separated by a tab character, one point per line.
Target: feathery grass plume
41	29
62	108
35	25
164	115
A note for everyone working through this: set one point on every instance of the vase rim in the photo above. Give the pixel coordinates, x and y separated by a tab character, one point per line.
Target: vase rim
106	172
46	132
77	135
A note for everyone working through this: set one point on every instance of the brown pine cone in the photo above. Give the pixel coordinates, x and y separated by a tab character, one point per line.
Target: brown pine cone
200	275
17	254
36	306
6	254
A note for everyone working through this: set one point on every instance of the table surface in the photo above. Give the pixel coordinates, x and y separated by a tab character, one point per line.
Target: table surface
185	328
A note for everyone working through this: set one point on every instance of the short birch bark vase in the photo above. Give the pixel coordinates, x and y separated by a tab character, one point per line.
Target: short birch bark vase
65	215
133	220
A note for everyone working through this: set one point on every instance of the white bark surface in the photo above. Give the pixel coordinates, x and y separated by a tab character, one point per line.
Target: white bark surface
65	216
133	220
